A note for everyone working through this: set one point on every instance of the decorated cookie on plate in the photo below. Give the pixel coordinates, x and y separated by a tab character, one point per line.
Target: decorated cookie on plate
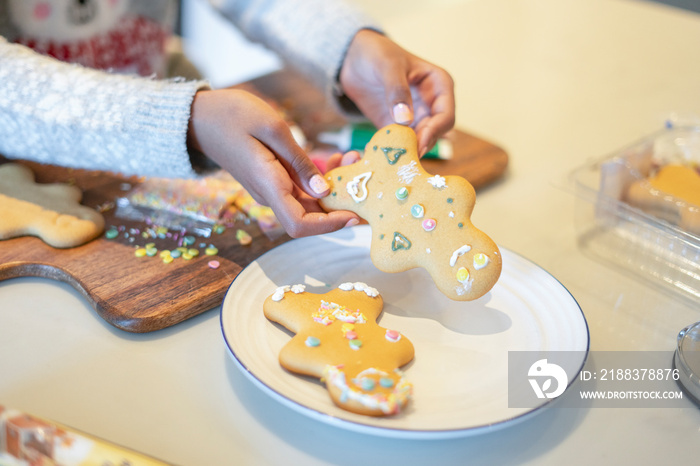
417	219
338	340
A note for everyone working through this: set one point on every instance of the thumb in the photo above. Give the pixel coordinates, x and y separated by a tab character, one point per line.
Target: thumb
297	163
399	97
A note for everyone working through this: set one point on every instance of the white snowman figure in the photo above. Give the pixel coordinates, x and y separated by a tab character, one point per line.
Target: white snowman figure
103	34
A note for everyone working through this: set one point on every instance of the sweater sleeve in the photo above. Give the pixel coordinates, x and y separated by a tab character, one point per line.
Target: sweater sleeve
312	36
58	113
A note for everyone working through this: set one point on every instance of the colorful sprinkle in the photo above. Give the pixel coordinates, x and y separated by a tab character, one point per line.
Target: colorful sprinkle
188	240
347	326
218	229
417	211
429	224
193	252
140	252
351	335
450	200
214	264
462	275
355	344
329	312
386	382
392	335
402	193
167	259
481	260
111	233
175	253
367	384
243	237
211	250
312	342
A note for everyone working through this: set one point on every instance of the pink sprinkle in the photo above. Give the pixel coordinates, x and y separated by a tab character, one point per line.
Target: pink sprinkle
351	335
214	264
429	224
393	335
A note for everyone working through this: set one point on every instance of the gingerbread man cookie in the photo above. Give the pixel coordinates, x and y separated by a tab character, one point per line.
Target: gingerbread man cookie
50	211
339	341
417	219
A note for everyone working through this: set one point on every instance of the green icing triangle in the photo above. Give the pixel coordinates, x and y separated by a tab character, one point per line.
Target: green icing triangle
400	242
392	154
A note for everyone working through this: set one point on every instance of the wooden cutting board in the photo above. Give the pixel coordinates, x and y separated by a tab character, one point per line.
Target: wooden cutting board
137	294
143	294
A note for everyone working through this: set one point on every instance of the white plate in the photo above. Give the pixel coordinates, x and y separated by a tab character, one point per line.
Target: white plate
459	373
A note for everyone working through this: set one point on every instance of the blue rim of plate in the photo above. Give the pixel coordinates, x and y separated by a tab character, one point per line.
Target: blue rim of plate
394	432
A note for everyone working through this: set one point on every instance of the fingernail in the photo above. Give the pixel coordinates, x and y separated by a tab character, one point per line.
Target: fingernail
402	114
352	222
318	184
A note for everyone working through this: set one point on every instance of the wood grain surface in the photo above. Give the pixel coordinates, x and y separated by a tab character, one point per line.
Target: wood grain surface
143	294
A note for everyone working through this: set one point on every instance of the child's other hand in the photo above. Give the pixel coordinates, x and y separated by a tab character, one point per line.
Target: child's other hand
390	85
250	140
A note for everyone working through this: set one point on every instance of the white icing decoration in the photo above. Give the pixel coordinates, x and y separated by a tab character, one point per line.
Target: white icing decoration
451	215
464	288
278	295
298	288
437	181
380	195
427	250
370	371
408	172
455	255
357	187
359	286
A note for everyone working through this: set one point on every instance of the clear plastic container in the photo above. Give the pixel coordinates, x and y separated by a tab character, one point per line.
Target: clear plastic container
613	231
687	360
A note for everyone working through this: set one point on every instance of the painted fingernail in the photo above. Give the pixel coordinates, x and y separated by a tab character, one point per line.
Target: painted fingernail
352	222
318	184
402	114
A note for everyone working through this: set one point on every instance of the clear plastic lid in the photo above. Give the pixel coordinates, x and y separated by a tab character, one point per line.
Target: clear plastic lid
687	360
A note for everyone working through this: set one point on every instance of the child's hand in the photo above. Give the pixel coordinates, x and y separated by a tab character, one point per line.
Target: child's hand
250	140
390	85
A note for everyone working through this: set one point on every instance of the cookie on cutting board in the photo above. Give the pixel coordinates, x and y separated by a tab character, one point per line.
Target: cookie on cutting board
51	212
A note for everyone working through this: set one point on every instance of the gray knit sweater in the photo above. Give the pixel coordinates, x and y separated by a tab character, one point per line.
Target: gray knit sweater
59	113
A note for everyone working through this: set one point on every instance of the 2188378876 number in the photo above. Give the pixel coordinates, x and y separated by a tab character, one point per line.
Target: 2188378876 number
639	374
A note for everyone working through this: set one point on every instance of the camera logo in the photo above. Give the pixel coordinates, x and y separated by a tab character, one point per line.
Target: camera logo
546	372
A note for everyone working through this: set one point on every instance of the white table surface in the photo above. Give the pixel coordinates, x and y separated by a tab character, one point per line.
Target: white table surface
555	82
